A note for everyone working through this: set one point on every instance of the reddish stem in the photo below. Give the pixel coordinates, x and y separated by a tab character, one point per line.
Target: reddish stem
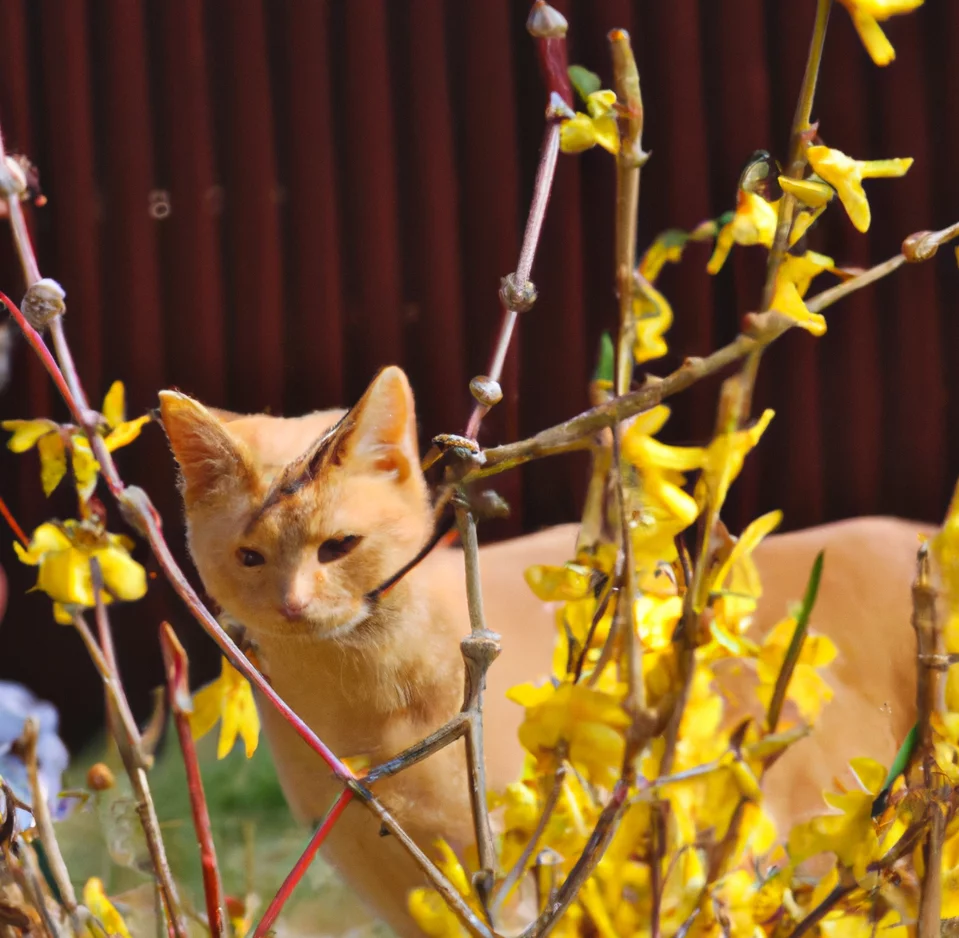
177	669
296	874
8	517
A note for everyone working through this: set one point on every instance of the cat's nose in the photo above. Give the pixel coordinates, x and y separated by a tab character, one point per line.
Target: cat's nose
292	609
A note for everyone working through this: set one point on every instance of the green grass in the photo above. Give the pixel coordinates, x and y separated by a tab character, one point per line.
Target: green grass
256	838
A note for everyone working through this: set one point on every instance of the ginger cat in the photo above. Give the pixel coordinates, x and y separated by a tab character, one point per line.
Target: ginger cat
292	522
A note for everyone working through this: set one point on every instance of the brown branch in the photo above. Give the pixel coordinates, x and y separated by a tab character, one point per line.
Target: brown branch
178	687
480	649
796	165
588	860
127	737
519	867
928	648
44	822
574	434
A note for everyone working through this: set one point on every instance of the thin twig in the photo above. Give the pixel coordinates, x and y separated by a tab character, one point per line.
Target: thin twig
127	737
838	893
480	648
518	293
629	162
588	860
44	822
519	867
33	887
796	164
7	516
455	729
928	647
302	864
178	686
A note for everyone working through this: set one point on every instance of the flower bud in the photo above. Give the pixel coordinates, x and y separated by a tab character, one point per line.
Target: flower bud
546	22
486	391
515	296
43	302
100	777
919	246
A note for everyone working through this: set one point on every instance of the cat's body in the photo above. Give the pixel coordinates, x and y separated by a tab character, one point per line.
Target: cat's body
371	681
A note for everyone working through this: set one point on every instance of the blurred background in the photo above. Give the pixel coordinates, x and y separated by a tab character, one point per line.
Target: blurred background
261	203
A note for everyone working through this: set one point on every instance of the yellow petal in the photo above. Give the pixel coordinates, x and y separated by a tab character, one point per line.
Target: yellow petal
748	541
577	134
207	705
61	615
65	577
125	433
114	404
653	316
606	133
786	300
874	39
600	103
724	244
95	899
26	433
555	584
870	773
85	467
53	461
809	191
48	537
886	169
122	575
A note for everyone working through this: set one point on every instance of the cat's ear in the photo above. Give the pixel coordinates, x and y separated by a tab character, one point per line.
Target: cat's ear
379	433
212	462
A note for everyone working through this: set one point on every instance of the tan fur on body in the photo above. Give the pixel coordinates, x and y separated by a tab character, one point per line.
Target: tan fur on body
372	681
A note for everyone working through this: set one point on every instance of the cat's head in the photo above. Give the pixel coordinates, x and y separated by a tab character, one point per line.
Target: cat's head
297	554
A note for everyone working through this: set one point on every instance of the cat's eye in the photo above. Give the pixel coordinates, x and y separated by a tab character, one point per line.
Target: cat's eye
337	547
250	558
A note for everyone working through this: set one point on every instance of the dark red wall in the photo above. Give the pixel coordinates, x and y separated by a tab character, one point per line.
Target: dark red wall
263	202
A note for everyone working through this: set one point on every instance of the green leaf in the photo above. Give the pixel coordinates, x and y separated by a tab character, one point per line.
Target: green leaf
605	366
795	644
899	765
584	81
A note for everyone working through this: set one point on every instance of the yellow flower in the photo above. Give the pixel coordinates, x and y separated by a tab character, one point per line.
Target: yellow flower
428	907
599	126
652	316
812	192
807	688
667	247
950	876
753	222
866	17
851	835
845	175
554	584
95	899
63	551
588	722
792	281
53	441
724	459
229	698
659	507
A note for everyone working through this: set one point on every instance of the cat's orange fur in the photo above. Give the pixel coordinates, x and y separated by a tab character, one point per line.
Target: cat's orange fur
372	681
